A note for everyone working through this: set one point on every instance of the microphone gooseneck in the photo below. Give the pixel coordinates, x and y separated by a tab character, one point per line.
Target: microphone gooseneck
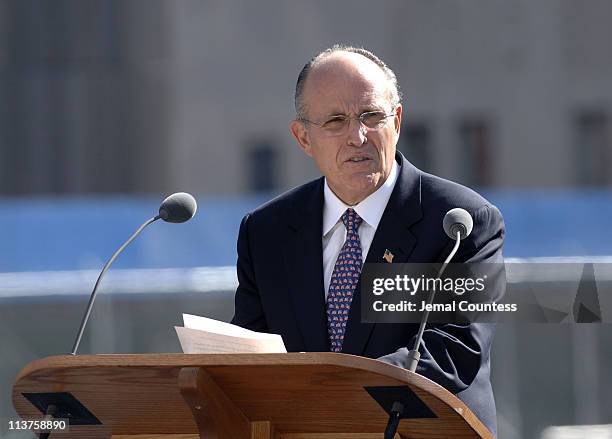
458	225
102	273
177	208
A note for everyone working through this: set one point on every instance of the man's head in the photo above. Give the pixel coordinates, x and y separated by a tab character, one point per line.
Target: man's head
333	90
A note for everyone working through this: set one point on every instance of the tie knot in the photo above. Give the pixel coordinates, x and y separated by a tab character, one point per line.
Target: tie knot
351	220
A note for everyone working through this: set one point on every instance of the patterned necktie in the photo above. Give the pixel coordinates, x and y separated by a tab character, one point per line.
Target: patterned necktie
343	281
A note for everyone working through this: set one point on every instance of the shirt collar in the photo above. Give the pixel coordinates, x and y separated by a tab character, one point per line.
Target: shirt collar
370	209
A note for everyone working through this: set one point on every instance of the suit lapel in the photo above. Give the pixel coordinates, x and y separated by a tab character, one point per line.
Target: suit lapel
393	234
304	261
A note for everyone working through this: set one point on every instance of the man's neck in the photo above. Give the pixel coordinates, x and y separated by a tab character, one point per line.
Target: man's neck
354	199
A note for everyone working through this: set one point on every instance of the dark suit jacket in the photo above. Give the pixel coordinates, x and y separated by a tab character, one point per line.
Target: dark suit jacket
281	289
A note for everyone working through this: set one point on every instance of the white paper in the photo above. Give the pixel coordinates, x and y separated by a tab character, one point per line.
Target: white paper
202	335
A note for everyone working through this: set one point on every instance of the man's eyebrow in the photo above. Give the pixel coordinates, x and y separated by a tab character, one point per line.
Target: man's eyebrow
335	113
364	109
372	106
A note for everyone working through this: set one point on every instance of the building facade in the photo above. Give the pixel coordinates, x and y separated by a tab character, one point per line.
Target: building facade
156	96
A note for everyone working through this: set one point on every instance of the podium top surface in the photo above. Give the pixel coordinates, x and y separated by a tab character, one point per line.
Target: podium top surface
295	391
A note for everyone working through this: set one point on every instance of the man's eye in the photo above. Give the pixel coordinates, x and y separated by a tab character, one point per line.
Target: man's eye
373	117
335	122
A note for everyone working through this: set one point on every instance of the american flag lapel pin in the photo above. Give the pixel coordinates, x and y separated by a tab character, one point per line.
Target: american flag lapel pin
388	256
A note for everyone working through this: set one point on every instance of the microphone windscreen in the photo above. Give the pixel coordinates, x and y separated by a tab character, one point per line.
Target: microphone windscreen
178	208
458	220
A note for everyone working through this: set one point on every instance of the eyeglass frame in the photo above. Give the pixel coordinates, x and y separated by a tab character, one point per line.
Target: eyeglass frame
349	119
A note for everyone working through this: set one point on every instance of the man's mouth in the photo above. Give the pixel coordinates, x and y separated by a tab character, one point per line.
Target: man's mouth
358	159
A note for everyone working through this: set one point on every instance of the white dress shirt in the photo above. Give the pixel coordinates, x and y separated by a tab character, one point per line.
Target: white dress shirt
334	233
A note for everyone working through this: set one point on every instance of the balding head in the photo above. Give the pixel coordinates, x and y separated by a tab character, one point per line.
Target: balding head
343	59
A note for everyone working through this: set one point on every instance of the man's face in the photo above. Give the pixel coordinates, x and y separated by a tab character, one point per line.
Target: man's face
359	160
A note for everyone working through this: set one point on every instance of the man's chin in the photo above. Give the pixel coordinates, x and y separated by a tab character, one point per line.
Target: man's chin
365	180
364	185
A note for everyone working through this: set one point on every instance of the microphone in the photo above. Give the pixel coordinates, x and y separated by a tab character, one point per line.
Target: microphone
177	208
457	224
457	220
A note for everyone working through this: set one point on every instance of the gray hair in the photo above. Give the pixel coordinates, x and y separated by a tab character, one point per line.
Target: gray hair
396	95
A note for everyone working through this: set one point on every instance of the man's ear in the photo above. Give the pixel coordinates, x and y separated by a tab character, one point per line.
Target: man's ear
298	130
398	118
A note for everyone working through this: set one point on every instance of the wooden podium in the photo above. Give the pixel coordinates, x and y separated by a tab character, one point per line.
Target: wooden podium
236	396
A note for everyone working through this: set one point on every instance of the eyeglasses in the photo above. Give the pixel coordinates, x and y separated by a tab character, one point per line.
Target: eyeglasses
338	125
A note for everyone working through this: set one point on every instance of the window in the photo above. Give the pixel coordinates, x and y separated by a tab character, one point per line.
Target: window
263	167
415	144
592	149
475	153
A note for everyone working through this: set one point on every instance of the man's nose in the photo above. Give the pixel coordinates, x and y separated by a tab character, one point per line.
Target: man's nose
356	132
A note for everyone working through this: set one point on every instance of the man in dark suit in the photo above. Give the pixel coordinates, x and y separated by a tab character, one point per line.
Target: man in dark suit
370	200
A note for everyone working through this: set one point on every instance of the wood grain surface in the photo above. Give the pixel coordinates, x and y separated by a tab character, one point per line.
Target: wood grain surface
281	396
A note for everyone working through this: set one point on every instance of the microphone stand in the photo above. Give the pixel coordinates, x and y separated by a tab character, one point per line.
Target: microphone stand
413	355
